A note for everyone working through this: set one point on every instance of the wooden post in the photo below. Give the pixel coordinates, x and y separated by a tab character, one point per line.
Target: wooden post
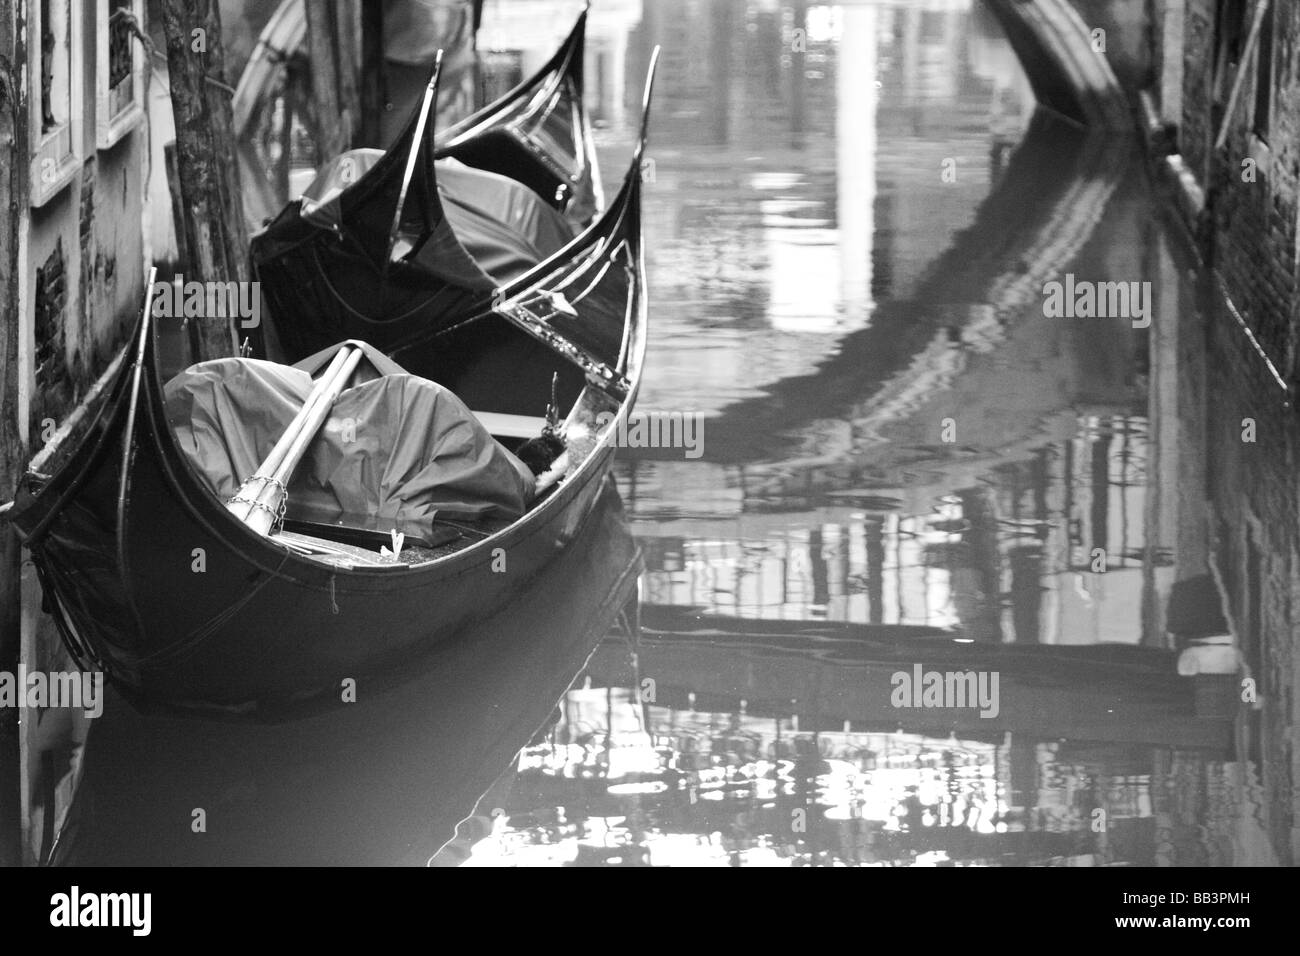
217	239
178	202
13	452
348	33
374	80
333	89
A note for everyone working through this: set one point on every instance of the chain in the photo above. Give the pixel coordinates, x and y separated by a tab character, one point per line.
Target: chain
277	513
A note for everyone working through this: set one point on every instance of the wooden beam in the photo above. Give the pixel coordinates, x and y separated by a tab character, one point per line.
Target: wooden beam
347	20
333	132
217	238
374	79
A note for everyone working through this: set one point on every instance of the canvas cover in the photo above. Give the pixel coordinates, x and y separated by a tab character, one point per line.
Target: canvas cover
396	450
504	226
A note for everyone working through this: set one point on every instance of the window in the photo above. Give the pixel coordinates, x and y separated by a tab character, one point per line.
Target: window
119	67
1264	75
1229	30
54	65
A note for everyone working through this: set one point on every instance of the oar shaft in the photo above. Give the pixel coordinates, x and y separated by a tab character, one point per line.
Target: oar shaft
317	418
271	493
272	462
243	505
259	498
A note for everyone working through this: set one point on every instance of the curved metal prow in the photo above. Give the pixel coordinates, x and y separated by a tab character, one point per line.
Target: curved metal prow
417	143
645	106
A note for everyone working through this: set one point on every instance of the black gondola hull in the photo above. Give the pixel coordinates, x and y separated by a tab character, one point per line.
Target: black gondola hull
326	285
185	608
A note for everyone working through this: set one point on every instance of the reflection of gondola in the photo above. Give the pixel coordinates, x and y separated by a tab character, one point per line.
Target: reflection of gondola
153	581
393	247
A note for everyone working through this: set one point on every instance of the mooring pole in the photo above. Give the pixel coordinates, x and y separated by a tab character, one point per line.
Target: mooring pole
216	239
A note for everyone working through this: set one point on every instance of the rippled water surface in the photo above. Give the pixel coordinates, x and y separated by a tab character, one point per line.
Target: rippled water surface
830	301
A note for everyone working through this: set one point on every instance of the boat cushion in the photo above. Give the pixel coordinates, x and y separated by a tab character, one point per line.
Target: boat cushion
395	447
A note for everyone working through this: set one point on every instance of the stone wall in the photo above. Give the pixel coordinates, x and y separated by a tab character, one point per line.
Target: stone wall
1255	540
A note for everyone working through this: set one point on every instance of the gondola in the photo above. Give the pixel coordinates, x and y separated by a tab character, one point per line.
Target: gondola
490	198
152	581
537	133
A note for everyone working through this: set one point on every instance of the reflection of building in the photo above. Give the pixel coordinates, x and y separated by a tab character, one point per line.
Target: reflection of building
1014	558
788	199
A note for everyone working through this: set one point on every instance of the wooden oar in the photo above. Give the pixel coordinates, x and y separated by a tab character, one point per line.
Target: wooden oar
267	468
260	499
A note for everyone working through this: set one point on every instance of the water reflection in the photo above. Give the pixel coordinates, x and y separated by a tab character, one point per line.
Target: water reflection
713	783
1010	556
831	300
710	777
798	158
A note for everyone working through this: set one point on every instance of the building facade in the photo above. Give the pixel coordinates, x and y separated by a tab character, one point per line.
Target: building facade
73	147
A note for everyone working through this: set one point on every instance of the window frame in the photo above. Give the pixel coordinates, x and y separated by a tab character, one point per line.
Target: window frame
63	144
110	127
1261	109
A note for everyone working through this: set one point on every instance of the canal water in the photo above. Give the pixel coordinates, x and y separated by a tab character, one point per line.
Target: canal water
904	465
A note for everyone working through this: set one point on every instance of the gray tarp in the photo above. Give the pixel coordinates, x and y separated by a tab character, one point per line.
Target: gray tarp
504	226
394	447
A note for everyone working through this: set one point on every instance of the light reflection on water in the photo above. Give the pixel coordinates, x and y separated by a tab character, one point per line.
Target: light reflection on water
713	789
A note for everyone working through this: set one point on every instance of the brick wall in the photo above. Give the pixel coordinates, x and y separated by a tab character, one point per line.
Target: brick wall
1253	212
1248	236
1255	522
